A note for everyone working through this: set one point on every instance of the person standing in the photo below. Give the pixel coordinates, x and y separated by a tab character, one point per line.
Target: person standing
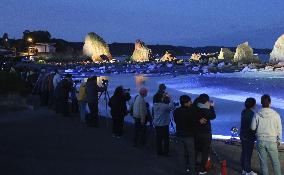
82	102
117	104
139	116
267	124
186	130
247	136
56	79
64	88
161	91
204	111
161	121
92	91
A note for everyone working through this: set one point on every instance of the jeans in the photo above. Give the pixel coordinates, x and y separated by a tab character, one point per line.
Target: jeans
264	147
162	139
247	149
82	105
188	155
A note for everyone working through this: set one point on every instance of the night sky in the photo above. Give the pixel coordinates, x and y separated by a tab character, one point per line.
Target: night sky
176	22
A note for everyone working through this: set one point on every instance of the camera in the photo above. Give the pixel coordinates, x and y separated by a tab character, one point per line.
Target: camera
176	104
105	82
77	81
126	90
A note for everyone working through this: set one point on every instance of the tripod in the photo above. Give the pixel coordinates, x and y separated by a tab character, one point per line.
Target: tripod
106	99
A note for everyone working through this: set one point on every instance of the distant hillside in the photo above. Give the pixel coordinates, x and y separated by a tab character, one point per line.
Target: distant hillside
119	49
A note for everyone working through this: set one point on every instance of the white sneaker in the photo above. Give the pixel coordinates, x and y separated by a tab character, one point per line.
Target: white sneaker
244	172
203	172
251	173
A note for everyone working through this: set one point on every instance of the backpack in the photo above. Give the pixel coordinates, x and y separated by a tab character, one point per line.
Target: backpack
131	106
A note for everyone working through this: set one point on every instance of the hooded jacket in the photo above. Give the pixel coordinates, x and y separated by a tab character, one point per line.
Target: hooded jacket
267	124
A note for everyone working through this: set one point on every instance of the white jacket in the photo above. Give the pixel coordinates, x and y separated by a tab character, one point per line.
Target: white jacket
267	124
139	108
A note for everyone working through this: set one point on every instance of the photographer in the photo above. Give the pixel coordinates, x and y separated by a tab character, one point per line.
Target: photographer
117	103
63	89
92	90
204	111
161	121
186	124
161	91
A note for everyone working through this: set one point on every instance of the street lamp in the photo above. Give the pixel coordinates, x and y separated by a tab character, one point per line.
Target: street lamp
30	40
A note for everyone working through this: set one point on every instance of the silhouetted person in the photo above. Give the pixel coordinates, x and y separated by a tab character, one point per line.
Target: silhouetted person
92	90
82	101
186	124
117	104
63	89
247	136
161	91
204	111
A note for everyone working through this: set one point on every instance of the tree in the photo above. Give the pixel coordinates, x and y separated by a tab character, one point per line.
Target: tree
36	36
5	40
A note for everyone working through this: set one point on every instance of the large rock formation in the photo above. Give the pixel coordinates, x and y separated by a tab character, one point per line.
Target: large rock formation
277	54
244	54
141	52
226	54
168	57
195	57
96	47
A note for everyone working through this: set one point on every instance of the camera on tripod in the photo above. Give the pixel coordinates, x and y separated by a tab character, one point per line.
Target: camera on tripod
105	82
126	90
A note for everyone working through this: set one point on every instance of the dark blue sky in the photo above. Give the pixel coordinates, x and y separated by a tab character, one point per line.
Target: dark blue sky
177	22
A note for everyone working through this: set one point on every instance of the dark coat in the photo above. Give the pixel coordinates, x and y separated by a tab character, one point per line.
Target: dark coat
63	89
92	91
186	122
118	106
246	132
208	114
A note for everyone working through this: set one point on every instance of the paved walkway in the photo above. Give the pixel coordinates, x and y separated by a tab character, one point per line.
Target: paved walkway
41	142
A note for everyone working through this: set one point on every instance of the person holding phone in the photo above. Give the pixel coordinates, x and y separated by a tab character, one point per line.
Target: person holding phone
204	112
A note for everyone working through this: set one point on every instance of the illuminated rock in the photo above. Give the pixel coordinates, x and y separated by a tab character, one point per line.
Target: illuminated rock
168	57
141	52
96	48
244	54
226	53
195	57
277	54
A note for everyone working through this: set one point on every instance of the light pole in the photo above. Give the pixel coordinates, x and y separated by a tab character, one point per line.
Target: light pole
30	41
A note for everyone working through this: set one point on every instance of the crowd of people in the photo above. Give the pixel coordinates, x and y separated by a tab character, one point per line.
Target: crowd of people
192	119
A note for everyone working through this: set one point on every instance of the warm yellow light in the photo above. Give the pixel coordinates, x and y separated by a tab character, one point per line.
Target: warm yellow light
30	40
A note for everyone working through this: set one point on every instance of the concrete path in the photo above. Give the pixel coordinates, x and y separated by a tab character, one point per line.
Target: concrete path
41	142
